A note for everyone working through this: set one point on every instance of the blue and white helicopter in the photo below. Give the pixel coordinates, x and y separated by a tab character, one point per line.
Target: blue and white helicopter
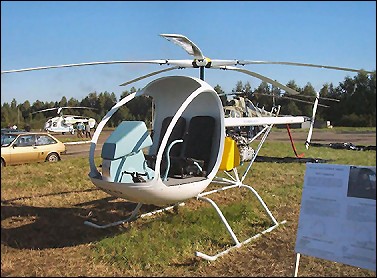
64	123
188	145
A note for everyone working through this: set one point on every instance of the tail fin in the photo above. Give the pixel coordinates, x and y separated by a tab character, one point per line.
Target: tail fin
307	143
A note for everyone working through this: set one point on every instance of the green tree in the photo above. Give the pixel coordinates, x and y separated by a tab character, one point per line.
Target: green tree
239	86
357	101
63	102
220	92
262	96
5	115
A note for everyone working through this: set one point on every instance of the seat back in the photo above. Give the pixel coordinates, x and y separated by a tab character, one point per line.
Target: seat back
177	133
198	139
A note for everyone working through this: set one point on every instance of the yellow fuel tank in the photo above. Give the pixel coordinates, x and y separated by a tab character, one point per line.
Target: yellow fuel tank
231	155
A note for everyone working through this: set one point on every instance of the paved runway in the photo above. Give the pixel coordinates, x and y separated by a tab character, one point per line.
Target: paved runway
81	148
76	149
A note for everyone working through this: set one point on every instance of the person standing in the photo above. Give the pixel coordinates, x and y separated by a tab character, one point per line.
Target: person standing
80	130
87	130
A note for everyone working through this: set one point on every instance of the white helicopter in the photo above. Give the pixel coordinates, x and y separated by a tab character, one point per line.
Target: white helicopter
189	144
66	123
241	106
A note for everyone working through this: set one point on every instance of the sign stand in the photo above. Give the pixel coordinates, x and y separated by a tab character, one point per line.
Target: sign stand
337	219
296	264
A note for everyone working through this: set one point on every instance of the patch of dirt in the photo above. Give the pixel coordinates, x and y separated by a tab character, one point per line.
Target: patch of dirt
326	136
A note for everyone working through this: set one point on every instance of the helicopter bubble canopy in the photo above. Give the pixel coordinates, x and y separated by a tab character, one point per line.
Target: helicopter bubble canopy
176	97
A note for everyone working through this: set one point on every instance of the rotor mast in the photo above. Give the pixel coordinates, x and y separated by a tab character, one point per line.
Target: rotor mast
201	73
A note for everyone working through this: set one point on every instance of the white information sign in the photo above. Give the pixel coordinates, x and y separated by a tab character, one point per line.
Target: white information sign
337	219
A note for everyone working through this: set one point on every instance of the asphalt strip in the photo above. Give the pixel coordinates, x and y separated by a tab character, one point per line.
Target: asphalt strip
77	143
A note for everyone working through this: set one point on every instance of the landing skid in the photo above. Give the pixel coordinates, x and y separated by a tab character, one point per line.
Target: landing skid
133	216
237	182
225	222
234	182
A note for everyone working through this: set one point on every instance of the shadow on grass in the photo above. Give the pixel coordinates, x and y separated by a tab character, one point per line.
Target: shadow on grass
10	201
32	227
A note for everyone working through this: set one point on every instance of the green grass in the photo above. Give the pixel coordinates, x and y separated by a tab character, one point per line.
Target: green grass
65	174
168	238
158	242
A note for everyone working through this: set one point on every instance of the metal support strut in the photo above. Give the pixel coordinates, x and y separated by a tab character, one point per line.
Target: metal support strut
233	182
227	226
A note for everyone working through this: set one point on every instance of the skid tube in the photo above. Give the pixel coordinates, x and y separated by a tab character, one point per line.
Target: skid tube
132	217
227	226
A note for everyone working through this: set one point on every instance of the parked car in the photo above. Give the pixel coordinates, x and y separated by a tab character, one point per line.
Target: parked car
26	147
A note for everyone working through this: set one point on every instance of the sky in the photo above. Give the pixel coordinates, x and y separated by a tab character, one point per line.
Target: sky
46	33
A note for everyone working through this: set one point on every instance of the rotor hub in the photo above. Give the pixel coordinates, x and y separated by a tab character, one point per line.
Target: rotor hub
197	63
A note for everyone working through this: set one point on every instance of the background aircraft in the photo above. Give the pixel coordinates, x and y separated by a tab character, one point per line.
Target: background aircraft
66	123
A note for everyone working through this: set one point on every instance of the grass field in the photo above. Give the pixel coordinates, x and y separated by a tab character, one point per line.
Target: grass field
43	207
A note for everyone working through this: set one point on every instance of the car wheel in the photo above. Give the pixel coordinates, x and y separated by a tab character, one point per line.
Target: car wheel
53	157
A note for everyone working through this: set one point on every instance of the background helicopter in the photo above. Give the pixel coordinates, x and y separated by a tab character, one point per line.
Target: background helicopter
66	123
153	169
242	105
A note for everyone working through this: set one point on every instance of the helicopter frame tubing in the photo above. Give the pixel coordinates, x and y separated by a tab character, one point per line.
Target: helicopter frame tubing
238	182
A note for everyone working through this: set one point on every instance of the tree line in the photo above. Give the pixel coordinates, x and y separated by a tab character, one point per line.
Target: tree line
356	106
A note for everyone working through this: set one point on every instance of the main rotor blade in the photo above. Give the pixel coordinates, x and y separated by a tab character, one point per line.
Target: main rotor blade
186	44
248	62
77	107
295	99
160	62
180	63
148	75
47	109
263	78
74	107
325	98
219	63
303	101
63	107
